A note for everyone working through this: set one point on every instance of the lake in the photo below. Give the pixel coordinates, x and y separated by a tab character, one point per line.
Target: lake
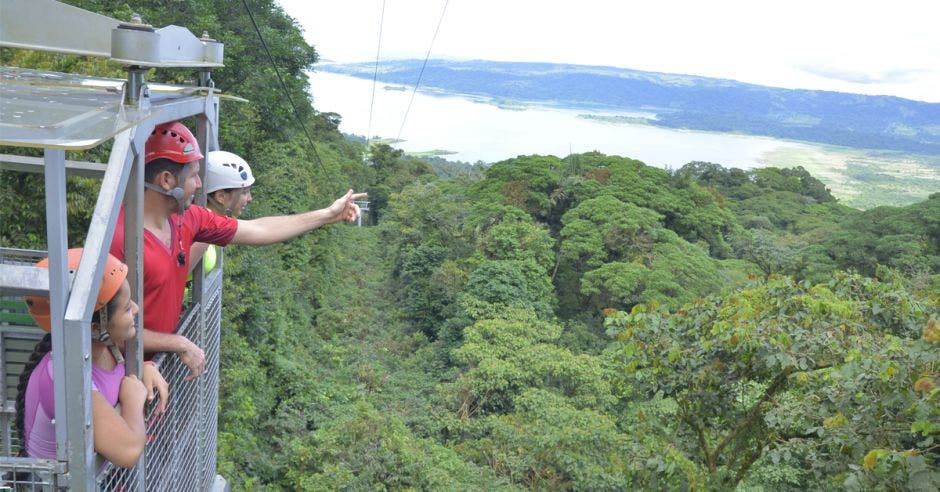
483	131
475	130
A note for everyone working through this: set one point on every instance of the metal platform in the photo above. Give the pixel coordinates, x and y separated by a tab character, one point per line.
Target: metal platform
59	112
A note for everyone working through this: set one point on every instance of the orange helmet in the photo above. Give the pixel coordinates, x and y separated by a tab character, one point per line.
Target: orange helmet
114	274
172	141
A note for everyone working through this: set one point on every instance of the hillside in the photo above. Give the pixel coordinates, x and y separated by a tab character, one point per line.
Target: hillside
681	101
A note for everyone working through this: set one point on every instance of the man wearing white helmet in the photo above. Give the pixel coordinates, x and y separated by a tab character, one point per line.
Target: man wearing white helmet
228	183
228	192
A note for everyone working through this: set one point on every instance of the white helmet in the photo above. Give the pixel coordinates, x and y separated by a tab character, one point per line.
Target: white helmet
226	170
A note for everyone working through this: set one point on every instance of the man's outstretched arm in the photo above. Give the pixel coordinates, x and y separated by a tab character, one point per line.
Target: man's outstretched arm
276	229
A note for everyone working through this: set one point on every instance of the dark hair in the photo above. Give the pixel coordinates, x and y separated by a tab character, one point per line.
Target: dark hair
42	348
153	169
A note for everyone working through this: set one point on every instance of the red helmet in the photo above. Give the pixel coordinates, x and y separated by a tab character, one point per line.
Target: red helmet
114	274
172	141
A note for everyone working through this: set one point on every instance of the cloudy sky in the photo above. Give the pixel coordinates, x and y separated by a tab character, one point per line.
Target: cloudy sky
862	46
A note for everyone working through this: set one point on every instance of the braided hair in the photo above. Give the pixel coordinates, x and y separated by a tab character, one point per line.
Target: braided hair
42	348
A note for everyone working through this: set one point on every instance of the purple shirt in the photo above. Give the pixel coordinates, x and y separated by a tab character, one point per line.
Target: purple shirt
38	420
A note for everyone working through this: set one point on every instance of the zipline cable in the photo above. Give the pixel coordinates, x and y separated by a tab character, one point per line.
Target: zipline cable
375	76
420	74
284	86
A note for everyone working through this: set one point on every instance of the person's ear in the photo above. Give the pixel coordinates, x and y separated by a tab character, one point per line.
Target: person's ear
166	180
220	196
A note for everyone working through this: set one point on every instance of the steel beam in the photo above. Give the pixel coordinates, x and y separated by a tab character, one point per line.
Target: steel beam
46	25
57	245
35	165
71	341
100	231
23	280
176	109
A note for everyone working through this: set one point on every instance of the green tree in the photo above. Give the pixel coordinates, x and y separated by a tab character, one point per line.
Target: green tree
524	182
617	254
818	373
676	273
772	254
504	284
364	448
502	357
606	229
519	241
548	443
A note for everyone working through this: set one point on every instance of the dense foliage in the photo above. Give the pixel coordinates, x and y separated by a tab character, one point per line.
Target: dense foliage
807	380
586	323
617	326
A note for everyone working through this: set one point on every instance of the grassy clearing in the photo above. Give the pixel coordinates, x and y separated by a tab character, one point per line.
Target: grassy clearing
865	178
430	153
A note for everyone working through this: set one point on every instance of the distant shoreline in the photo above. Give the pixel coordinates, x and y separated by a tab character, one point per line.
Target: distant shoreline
679	101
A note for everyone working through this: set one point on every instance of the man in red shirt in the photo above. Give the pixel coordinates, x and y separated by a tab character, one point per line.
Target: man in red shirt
172	224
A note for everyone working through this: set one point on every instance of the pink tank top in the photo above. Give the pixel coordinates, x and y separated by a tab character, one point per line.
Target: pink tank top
39	416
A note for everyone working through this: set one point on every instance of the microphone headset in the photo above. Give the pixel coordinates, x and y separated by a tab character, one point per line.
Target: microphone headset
175	193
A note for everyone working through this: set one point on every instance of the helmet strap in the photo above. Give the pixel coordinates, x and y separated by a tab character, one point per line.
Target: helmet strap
236	196
228	205
214	204
104	336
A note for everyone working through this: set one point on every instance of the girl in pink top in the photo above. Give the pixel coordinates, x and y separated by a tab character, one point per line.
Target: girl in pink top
119	435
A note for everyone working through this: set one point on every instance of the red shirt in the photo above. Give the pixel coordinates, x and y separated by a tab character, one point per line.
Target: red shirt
164	277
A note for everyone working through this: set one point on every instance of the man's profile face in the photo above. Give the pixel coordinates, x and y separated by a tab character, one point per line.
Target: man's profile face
190	183
244	198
